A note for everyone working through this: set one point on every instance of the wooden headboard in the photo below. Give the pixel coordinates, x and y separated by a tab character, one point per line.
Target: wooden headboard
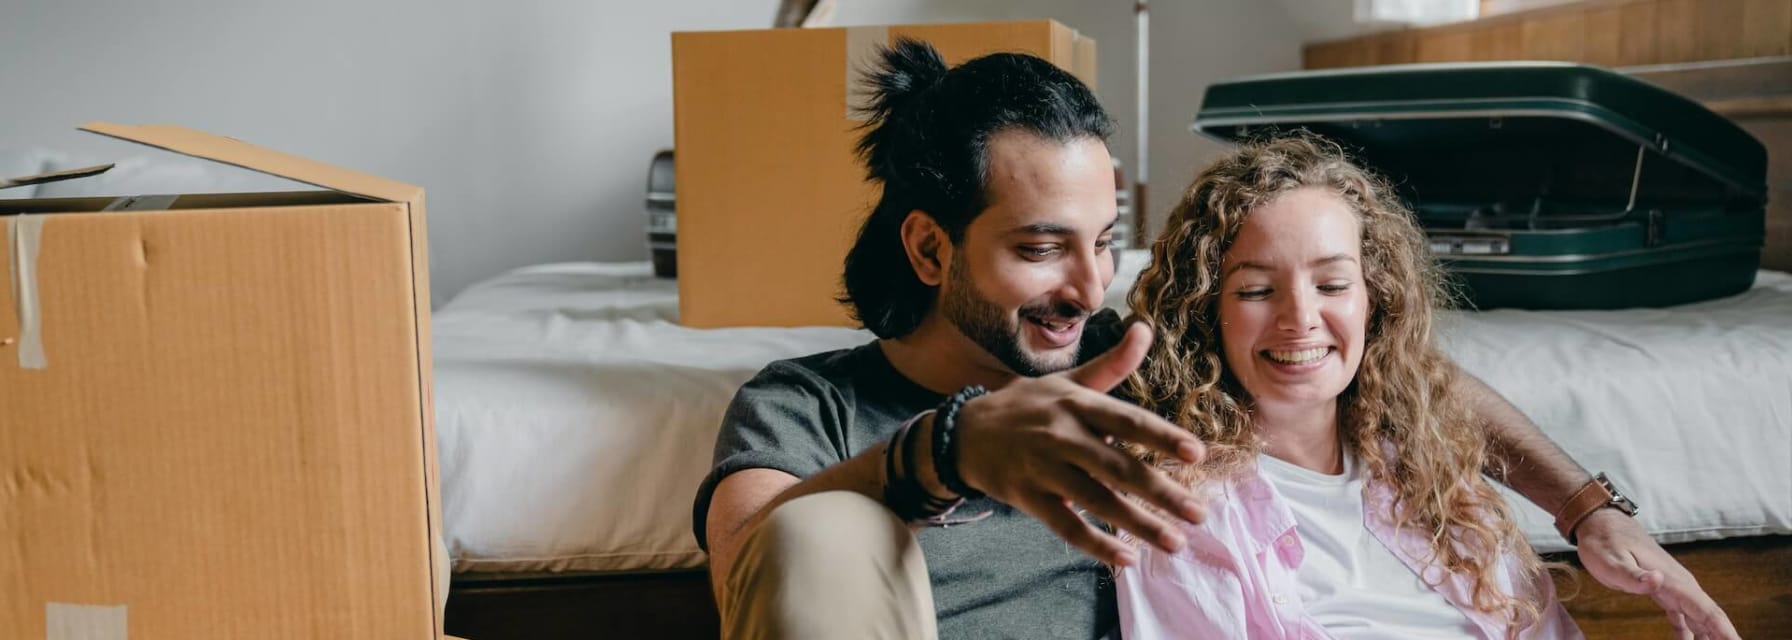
1611	33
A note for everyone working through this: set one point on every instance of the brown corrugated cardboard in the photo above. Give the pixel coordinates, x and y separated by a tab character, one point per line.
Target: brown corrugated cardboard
769	192
1082	59
224	427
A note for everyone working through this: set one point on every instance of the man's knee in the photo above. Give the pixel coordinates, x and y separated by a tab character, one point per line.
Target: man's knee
824	538
835	523
827	564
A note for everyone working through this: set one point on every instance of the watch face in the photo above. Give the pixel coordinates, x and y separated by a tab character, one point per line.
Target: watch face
1618	501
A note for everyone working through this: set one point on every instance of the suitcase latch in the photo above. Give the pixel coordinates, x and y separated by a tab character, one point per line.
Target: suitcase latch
1449	245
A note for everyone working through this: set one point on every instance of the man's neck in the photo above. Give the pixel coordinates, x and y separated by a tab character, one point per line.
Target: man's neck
940	358
1306	435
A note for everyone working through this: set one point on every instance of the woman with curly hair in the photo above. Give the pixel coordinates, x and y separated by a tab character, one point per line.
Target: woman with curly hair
1293	297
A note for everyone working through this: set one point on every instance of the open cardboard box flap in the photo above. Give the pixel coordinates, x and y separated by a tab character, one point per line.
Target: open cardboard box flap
198	144
230	151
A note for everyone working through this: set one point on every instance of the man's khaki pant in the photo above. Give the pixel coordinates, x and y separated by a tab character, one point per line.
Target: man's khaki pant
829	565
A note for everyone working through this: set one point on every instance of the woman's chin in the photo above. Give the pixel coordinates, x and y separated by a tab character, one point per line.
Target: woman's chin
1296	396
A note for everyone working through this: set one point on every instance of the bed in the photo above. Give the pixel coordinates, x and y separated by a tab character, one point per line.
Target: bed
576	419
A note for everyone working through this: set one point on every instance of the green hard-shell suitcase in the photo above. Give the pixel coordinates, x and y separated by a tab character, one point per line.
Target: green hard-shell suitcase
1541	185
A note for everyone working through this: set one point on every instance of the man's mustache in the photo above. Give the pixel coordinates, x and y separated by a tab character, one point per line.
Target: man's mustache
1065	310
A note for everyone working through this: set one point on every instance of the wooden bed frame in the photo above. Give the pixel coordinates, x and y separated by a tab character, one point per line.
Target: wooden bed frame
1750	577
669	605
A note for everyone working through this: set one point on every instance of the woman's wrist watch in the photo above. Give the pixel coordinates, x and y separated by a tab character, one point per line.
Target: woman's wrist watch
1597	494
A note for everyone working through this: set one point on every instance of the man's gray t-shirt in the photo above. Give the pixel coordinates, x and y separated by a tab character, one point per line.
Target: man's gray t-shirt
1004	576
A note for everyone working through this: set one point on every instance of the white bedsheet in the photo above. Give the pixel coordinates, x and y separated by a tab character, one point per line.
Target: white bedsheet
1688	408
576	418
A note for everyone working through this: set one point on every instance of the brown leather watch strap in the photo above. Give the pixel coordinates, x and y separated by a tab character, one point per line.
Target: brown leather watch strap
1591	497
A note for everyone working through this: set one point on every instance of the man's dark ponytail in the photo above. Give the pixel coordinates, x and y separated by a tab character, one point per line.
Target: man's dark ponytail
899	84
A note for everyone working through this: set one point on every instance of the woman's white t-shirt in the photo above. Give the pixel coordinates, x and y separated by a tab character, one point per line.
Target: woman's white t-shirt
1349	582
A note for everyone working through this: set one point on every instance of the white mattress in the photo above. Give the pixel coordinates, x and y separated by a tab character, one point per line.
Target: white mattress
1688	408
576	418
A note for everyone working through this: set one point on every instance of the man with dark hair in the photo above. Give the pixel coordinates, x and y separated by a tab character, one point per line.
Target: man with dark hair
881	492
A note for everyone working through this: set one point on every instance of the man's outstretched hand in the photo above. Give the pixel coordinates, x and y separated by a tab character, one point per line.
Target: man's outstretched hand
1043	445
1620	554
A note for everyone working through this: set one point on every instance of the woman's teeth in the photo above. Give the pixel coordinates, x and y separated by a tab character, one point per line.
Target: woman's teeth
1303	356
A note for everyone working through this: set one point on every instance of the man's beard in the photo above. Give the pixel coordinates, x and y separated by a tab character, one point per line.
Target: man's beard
994	330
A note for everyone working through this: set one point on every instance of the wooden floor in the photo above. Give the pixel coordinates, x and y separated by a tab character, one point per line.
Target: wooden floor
1750	577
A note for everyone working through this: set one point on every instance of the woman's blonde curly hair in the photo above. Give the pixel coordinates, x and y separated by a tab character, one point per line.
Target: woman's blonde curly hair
1401	400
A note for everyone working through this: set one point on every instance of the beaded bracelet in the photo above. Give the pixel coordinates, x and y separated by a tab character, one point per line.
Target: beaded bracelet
945	446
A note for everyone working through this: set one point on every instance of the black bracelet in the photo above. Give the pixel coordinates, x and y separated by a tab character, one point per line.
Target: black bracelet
903	493
945	447
933	505
892	495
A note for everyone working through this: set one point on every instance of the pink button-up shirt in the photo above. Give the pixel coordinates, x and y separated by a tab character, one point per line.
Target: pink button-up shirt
1236	577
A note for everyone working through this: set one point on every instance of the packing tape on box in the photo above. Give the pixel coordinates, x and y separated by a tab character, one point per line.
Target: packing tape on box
23	232
862	46
84	622
141	203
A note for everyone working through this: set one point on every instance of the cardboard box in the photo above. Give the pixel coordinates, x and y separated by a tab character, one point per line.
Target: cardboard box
215	412
770	194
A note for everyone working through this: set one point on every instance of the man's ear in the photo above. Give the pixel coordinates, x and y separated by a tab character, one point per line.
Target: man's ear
927	246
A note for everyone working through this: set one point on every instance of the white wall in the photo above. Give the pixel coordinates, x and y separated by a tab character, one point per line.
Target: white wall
1194	44
530	122
1327	20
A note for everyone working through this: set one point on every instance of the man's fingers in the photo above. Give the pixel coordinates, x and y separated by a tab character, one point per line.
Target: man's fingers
1698	612
1107	370
1721	627
1681	630
1689	609
1109	416
1126	474
1058	517
1638	565
1123	514
1709	621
